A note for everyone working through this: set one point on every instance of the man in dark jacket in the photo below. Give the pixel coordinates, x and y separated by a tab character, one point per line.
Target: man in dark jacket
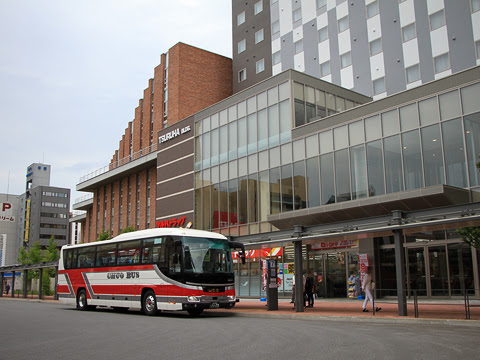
309	290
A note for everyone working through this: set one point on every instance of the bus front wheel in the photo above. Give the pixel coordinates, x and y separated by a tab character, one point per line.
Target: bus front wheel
82	300
149	303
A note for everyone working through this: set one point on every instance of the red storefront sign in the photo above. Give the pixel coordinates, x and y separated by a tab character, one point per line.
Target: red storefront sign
176	222
335	244
255	254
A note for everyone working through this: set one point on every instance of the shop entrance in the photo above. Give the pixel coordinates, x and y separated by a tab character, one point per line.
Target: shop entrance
440	270
331	270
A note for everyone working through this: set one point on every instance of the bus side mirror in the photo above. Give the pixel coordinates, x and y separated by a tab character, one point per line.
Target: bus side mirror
241	253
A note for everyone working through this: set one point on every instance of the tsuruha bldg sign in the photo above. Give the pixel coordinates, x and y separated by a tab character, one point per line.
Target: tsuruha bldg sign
173	134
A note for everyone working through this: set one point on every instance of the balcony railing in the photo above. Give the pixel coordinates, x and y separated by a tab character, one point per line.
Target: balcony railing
123	161
89	196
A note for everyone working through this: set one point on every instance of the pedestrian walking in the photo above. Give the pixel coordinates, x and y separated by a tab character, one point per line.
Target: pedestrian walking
367	288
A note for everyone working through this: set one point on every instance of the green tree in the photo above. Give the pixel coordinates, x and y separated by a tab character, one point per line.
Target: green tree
50	254
471	235
32	256
104	235
127	229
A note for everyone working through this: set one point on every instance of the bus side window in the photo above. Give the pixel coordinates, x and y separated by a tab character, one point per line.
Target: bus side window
129	252
106	255
73	264
152	251
67	260
86	257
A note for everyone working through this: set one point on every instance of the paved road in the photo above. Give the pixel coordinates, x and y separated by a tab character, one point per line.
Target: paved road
49	330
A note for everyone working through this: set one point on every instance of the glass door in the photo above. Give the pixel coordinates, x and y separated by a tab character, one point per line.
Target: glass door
416	272
461	269
438	270
336	271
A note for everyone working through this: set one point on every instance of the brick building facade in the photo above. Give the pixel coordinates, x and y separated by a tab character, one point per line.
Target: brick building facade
187	80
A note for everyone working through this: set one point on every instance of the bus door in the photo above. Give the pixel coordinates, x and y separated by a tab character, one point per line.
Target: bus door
174	250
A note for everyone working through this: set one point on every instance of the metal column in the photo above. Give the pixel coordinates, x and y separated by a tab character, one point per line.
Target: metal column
25	282
12	287
298	258
400	265
40	284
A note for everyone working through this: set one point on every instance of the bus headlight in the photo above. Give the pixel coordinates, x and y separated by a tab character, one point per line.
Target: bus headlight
231	297
193	299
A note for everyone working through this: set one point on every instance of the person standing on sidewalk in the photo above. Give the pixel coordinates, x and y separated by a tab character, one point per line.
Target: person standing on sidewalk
367	288
293	291
309	290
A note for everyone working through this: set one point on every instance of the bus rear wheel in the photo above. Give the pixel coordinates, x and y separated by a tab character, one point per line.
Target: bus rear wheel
149	303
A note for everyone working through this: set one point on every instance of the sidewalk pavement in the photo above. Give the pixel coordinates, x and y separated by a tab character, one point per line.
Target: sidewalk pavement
446	311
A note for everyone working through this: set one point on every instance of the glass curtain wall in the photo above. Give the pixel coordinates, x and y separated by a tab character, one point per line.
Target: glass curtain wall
246	151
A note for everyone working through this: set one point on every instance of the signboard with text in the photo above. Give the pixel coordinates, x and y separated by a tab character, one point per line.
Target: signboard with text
6	213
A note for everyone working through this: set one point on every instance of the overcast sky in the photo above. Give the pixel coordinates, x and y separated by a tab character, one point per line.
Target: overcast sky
72	72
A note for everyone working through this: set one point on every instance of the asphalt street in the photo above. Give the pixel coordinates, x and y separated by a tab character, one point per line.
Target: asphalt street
50	330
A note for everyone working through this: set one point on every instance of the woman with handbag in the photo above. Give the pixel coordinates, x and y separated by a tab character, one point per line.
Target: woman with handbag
367	286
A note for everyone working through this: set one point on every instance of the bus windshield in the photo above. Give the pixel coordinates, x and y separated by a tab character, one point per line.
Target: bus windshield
207	256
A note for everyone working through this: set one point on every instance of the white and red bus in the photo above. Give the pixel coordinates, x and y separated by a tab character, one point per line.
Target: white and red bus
151	270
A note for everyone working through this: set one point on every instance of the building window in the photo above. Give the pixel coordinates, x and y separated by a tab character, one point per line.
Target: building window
275	27
413	73
376	47
298	46
437	20
477	48
379	86
343	24
475	5
323	34
325	68
321	3
297	15
442	63
409	32
372	9
242	46
258	7
276	58
260	65
241	18
346	59
242	75
259	36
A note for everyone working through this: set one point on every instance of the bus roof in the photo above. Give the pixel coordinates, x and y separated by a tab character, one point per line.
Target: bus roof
151	233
